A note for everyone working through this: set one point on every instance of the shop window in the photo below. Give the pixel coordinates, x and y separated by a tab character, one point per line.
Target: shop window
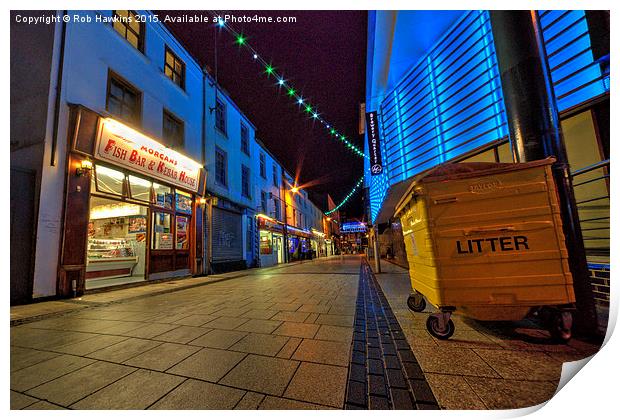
174	68
140	189
173	131
109	181
183	202
182	236
162	196
266	243
162	235
220	116
123	100
127	25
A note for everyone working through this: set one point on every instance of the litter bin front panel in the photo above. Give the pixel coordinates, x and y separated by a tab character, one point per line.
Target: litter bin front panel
495	241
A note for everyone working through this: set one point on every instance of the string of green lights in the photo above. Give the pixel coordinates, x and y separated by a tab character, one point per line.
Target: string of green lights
344	200
242	41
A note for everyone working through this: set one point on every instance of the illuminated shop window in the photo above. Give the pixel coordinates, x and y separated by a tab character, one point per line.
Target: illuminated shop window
139	188
162	195
109	181
162	235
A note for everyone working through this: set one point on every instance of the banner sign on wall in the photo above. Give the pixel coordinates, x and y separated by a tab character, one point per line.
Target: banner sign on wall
130	149
372	130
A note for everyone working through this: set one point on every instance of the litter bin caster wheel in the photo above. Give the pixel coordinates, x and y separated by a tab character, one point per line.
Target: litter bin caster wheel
416	302
433	325
560	327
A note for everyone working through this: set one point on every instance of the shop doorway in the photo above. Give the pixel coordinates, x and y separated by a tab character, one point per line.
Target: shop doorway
278	248
117	240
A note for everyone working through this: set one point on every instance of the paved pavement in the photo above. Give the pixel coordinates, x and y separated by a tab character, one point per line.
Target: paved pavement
321	334
485	365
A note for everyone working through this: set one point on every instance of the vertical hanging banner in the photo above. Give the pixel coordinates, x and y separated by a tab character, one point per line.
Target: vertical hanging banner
372	129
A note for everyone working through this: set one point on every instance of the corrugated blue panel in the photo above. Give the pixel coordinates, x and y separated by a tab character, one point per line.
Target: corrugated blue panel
576	77
450	103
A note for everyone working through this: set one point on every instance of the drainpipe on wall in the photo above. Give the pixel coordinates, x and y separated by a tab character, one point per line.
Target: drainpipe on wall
535	132
61	60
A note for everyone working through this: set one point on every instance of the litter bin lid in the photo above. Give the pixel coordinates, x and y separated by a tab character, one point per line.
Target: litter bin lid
463	170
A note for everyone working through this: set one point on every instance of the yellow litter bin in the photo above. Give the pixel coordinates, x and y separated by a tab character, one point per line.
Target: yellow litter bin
486	239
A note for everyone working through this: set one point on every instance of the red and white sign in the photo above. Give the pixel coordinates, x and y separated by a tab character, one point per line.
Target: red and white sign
130	149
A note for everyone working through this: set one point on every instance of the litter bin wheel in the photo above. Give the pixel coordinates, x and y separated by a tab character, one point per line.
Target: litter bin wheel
559	327
416	302
432	325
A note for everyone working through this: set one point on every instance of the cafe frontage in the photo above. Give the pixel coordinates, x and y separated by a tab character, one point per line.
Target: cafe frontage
132	208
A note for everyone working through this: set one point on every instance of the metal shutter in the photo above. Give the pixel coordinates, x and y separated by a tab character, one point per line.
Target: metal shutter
227	236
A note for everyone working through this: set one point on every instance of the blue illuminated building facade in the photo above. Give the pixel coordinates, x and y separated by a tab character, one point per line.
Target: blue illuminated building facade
433	78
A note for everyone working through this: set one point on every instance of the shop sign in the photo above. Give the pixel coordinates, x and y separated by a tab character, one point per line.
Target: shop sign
130	149
269	225
372	129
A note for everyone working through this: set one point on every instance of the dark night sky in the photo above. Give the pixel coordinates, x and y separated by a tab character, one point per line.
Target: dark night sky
323	55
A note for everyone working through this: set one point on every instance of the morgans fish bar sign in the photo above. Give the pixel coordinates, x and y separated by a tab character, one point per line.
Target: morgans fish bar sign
130	149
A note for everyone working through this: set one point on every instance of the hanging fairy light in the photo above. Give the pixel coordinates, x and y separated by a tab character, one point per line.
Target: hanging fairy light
292	93
270	70
347	197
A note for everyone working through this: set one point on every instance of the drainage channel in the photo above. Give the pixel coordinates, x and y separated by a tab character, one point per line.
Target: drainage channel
383	373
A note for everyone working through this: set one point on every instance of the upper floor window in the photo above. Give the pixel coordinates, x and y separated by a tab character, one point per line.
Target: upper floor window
263	201
245	181
276	206
220	115
173	130
123	100
245	139
275	176
126	23
174	68
220	166
263	171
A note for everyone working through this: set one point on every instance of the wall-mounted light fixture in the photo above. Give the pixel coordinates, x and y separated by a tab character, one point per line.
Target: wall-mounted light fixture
84	168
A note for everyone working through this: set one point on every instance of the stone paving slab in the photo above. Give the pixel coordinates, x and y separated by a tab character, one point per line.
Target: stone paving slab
24	357
136	391
324	352
263	344
183	334
320	384
162	357
198	395
262	374
19	401
124	350
208	364
78	384
219	339
250	401
37	374
275	403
